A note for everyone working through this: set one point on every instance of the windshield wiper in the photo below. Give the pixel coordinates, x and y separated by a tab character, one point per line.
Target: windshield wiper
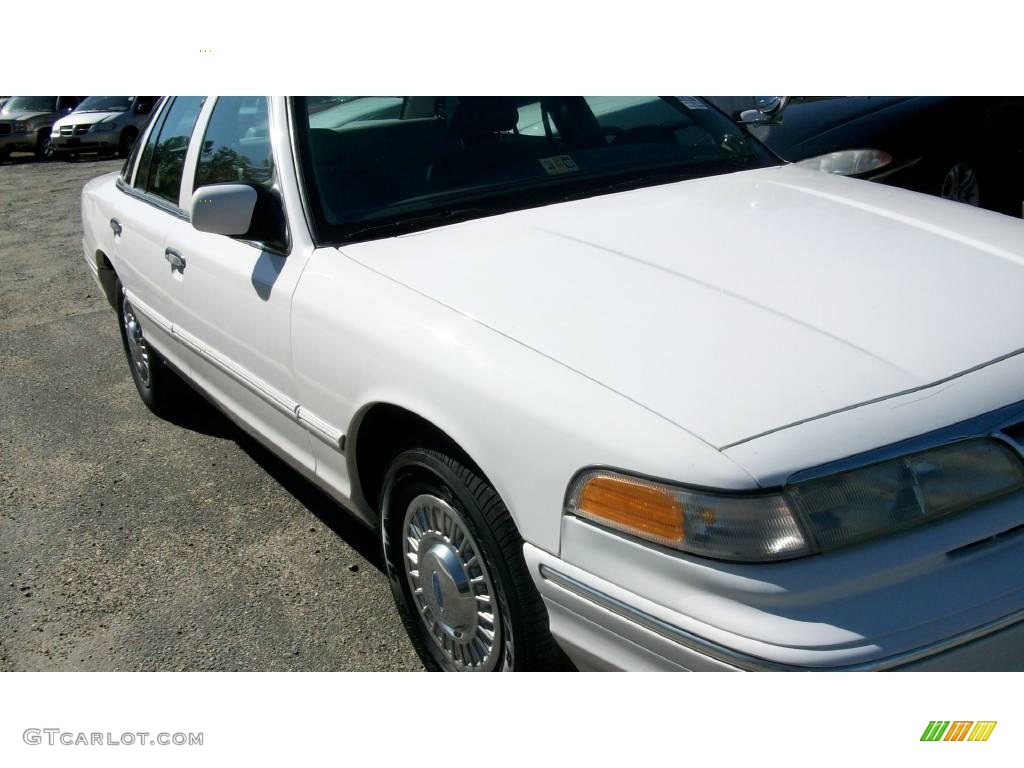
668	175
401	226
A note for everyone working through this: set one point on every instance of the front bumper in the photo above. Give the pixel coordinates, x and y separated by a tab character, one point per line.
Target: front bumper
920	600
88	142
18	142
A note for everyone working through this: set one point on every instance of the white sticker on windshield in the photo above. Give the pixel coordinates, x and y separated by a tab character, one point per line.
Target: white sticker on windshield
559	164
692	102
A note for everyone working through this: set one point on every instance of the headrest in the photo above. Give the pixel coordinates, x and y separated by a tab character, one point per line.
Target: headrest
476	116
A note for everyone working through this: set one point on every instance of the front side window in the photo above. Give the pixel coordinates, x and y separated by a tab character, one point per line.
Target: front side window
166	160
236	147
374	164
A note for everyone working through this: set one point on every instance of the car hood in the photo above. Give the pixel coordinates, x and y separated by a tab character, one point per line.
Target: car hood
23	115
738	304
87	118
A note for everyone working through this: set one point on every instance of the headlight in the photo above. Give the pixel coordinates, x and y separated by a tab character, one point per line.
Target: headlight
101	127
20	127
815	516
849	162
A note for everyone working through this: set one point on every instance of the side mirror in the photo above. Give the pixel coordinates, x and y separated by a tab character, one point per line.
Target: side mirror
767	111
241	211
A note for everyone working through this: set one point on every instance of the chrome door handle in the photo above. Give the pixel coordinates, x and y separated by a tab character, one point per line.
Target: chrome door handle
115	225
176	260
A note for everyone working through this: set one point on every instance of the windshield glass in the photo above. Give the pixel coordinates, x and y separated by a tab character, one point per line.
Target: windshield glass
379	164
30	104
106	104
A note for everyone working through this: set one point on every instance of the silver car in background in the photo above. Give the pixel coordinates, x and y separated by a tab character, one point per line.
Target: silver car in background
103	124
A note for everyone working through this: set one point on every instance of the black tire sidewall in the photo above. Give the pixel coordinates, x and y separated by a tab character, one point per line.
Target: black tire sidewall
41	145
419	471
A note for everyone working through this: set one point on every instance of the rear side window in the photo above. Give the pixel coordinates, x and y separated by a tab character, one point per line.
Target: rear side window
143	152
142	175
236	147
167	153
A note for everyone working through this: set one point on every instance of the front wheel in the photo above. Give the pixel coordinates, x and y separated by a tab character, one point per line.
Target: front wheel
44	146
455	562
960	183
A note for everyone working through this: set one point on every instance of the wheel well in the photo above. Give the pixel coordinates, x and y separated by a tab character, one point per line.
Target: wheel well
385	431
107	277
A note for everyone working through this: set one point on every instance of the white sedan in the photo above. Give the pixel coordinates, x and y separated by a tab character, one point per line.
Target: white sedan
611	381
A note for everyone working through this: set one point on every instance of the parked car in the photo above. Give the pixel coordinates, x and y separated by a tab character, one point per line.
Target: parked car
967	149
624	387
103	124
26	121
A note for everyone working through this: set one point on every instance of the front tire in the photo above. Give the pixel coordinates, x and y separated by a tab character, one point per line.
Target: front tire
455	563
960	183
158	386
44	146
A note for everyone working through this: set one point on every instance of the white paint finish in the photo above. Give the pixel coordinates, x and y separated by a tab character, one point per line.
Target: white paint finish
137	255
736	304
236	302
641	330
529	422
773	458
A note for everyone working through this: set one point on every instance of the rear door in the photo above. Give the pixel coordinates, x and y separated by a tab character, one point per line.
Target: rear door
149	204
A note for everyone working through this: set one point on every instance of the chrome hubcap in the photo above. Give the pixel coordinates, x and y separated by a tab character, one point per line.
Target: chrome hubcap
961	184
450	585
137	349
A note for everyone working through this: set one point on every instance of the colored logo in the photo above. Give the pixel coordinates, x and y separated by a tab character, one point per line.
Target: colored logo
958	730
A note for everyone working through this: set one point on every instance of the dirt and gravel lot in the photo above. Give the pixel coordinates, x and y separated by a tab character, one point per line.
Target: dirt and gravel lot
131	543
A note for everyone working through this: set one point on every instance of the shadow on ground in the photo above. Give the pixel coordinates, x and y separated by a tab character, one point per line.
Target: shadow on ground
199	415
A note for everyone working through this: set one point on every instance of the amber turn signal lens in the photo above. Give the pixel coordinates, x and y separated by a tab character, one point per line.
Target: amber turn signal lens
632	507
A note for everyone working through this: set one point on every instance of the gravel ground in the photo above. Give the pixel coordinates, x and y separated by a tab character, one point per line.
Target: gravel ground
131	543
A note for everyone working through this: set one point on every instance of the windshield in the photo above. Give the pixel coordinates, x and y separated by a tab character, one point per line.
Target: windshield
106	104
30	104
380	164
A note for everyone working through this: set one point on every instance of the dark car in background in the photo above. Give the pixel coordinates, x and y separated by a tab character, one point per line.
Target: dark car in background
969	149
26	123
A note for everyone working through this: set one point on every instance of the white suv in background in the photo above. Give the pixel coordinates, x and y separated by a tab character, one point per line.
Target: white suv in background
103	124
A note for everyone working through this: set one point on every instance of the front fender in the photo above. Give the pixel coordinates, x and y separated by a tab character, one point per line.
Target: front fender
527	421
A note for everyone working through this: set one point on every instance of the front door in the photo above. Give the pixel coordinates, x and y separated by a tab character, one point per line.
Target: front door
236	303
